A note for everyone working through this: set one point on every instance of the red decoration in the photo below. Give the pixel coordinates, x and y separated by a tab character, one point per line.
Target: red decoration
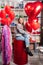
3	14
7	9
33	9
29	8
38	8
34	24
3	20
30	20
7	15
6	21
11	15
0	13
28	27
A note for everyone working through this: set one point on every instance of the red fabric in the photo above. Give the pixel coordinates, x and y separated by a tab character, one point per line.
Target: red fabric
20	56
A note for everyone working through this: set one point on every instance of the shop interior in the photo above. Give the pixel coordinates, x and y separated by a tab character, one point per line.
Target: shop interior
36	38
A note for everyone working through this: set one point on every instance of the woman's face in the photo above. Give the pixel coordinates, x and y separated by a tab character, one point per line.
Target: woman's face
21	20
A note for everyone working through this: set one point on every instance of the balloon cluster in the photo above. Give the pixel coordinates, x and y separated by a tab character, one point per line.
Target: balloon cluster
32	10
7	15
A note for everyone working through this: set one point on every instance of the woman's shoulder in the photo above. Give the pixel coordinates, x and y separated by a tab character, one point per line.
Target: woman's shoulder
19	24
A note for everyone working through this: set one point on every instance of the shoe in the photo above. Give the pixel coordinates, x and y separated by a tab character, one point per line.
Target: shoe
28	51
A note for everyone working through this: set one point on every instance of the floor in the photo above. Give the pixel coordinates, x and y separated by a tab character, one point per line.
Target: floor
37	59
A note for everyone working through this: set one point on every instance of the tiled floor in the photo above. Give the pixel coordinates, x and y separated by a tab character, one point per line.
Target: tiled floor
35	60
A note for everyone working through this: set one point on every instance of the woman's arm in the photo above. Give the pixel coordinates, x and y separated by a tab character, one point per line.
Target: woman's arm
20	30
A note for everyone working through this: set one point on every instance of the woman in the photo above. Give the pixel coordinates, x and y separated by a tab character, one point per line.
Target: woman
21	34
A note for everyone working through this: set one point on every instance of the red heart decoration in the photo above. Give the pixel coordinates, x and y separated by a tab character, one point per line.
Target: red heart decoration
30	20
7	15
29	8
37	9
3	20
3	14
7	9
33	9
11	15
6	21
34	24
28	27
0	13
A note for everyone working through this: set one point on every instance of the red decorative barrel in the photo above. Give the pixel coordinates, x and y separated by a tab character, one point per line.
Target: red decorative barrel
20	55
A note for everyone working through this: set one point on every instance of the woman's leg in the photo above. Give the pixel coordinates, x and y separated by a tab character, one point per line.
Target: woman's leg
26	38
27	43
20	38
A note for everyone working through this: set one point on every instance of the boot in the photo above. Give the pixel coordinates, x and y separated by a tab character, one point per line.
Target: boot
28	51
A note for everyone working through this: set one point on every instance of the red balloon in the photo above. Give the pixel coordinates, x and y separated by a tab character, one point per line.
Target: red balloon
3	14
6	21
7	9
3	20
11	15
37	9
0	13
28	27
33	9
34	24
30	20
29	8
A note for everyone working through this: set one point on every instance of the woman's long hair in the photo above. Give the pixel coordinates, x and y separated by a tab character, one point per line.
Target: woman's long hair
22	23
19	20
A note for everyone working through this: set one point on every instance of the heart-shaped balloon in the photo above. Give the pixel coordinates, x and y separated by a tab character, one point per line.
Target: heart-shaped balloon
30	20
11	15
34	24
3	14
0	13
33	9
7	15
3	20
6	21
7	9
29	8
28	27
37	8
